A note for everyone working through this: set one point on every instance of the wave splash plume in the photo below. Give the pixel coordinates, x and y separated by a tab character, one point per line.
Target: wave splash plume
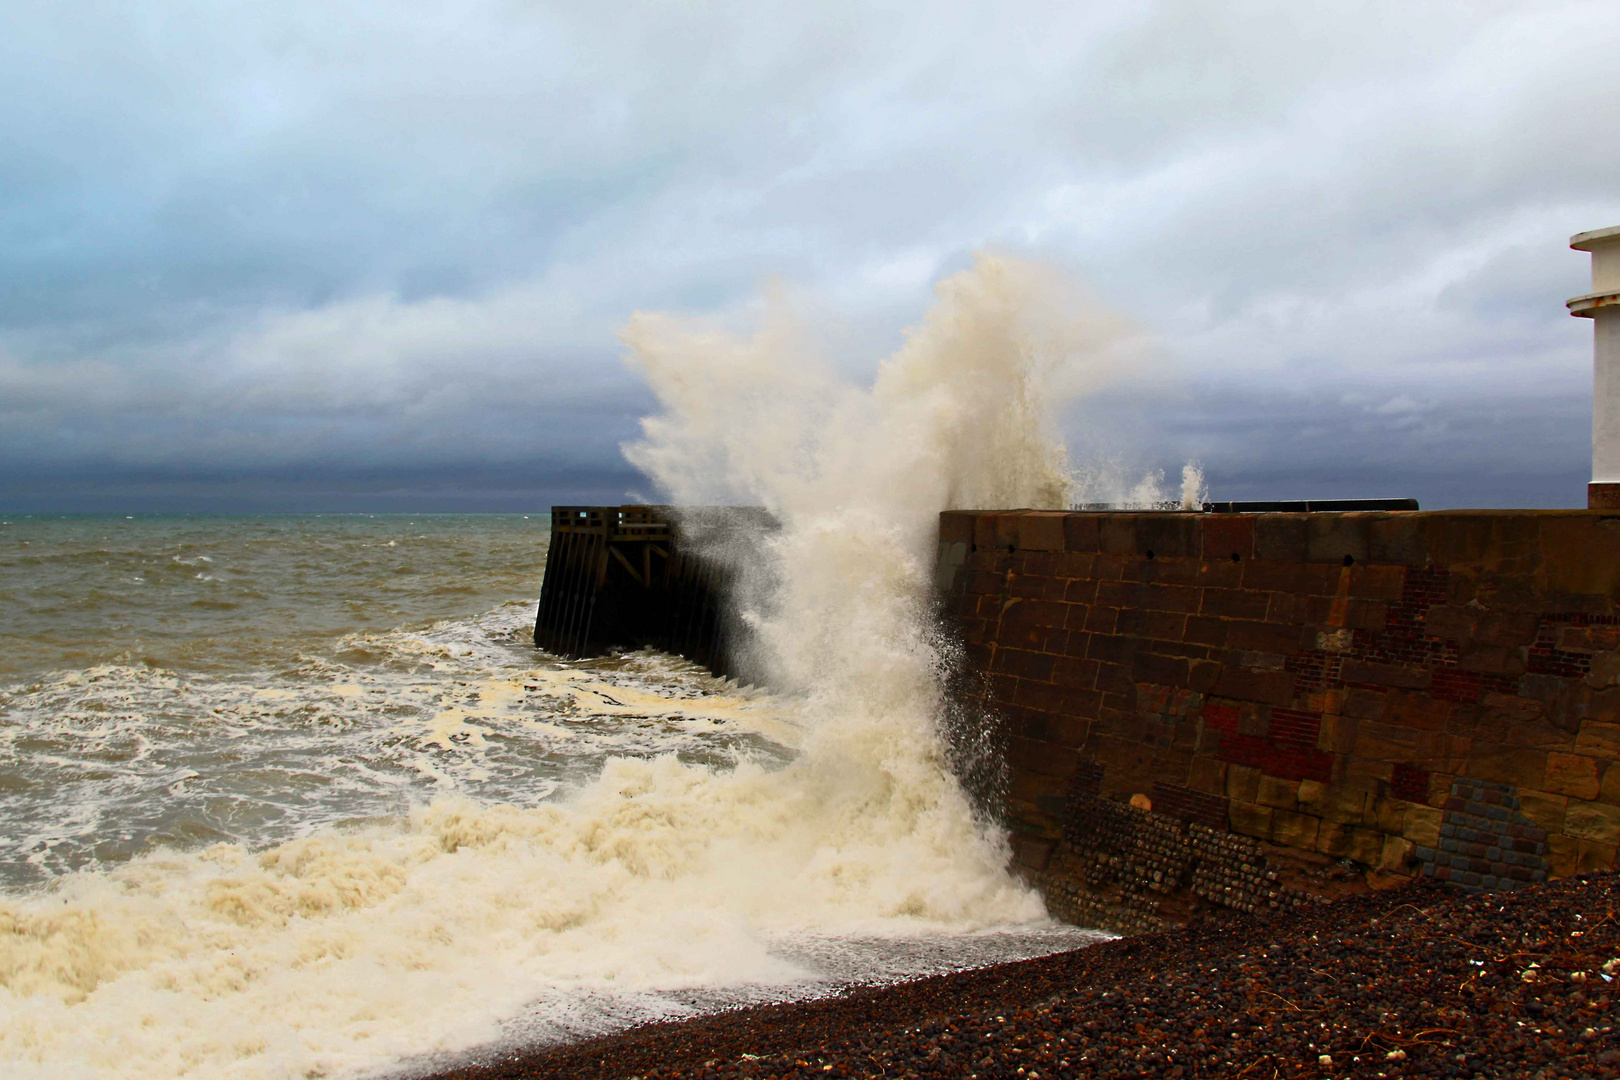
352	948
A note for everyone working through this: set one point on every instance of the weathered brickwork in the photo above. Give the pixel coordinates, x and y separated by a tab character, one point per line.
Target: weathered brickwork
1342	689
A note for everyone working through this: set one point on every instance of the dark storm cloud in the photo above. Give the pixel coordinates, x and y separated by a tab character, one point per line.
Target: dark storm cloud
271	244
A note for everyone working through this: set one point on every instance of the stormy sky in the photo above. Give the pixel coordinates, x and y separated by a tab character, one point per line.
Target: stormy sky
316	256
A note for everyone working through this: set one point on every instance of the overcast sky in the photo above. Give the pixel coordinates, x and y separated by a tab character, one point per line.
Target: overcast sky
301	255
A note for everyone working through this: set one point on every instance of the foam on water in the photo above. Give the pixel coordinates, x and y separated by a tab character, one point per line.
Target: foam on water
449	842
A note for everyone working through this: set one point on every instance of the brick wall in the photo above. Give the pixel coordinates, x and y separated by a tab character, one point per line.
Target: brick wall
1341	700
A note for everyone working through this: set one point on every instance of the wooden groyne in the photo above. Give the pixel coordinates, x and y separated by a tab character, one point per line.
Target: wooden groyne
629	577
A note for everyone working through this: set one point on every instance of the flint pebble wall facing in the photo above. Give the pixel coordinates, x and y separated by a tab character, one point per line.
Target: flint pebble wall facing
1234	711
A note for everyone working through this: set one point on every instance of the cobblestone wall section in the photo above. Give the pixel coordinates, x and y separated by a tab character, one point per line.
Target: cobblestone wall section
1328	686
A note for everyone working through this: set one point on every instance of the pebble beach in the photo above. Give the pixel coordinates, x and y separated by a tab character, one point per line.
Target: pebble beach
1416	981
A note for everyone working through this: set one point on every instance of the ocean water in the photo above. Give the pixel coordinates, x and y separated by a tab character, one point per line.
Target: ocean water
297	797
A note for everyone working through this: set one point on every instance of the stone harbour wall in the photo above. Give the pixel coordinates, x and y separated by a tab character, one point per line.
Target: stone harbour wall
1208	712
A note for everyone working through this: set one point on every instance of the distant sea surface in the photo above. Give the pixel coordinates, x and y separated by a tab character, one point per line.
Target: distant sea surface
296	796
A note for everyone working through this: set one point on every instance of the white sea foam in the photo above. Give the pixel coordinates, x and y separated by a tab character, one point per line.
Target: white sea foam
349	948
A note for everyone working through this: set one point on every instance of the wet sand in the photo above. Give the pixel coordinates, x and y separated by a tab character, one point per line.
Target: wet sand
1418	981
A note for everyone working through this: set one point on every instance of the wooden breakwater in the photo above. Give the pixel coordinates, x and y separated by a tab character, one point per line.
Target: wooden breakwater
629	577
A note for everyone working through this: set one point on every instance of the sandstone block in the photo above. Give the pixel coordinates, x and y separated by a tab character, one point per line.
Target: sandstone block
1595	856
1396	855
1295	830
1599	740
1225	535
1207	774
1595	821
1385	742
1563	856
1572	774
1242	783
1250	819
1280	537
1040	531
1312	793
1281	794
1389	815
1080	532
1544	808
1609	790
1350	842
1605	670
1423	825
1516	765
1414	710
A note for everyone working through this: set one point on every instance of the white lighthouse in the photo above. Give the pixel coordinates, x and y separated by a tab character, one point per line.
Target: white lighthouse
1602	306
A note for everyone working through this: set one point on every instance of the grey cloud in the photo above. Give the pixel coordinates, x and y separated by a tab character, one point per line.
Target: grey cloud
300	235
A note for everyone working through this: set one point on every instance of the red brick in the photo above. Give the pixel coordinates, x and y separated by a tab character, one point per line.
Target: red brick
1292	729
1221	717
1257	753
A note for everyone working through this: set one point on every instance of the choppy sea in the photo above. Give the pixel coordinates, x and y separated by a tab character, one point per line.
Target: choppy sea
296	796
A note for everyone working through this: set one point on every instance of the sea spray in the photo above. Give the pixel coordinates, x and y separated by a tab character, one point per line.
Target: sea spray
344	950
